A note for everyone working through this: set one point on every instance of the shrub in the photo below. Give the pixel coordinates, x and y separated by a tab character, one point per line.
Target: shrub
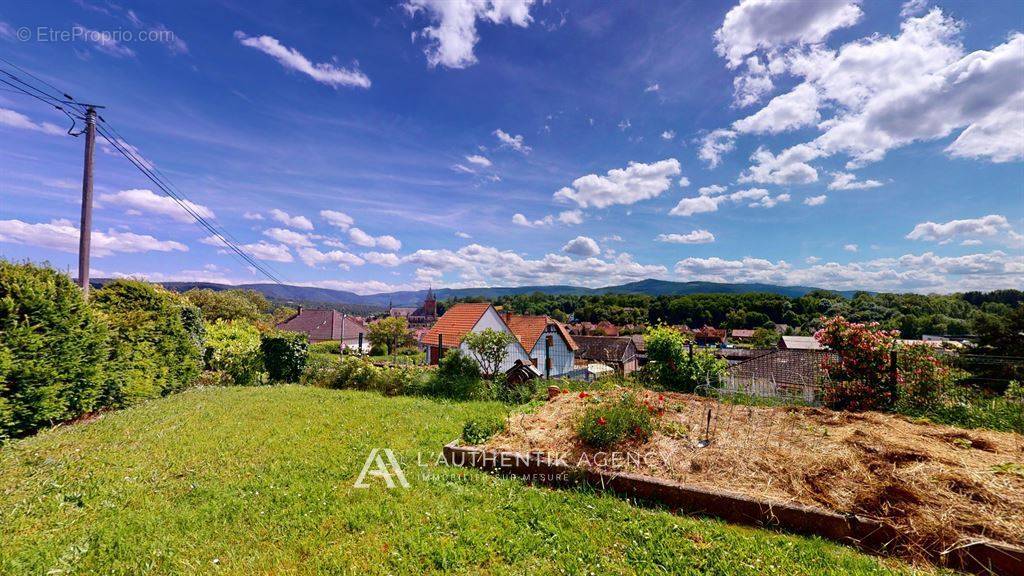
284	355
395	380
319	370
509	393
458	377
233	350
670	366
478	430
608	422
247	305
53	348
489	348
153	351
859	374
925	378
328	347
378	350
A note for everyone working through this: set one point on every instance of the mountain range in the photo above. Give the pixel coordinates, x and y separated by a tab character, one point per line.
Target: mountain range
309	295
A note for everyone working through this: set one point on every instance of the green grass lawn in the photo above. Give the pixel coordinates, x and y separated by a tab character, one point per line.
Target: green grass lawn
260	480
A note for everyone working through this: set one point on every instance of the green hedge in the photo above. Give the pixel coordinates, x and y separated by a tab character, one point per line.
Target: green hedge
233	353
284	355
153	352
53	348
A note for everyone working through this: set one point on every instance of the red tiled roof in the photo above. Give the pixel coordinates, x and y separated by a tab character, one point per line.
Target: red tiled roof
530	328
323	325
741	333
456	323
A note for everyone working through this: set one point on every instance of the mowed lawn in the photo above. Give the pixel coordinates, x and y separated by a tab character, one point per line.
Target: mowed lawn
260	481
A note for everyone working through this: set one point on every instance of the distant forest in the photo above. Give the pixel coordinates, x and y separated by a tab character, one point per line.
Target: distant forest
911	314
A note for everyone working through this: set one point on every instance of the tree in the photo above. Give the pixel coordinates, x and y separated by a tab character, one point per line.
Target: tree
245	305
765	338
389	333
489	348
860	372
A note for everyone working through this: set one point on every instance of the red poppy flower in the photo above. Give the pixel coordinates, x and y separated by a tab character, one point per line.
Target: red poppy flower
584	394
601	421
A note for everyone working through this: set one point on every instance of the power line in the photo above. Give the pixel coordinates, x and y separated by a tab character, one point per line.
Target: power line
120	144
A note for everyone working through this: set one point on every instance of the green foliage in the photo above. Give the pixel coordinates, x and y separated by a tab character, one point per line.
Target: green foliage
284	355
246	305
53	348
479	430
670	366
860	374
968	409
514	393
233	352
489	348
925	377
765	338
153	351
353	372
457	377
389	334
606	422
326	347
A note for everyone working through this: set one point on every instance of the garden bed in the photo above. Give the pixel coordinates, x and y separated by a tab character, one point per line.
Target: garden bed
938	487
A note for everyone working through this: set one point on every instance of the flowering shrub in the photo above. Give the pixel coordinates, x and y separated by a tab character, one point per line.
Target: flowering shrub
670	365
860	376
925	378
610	421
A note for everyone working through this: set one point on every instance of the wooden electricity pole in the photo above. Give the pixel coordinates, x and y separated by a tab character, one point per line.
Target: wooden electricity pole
85	232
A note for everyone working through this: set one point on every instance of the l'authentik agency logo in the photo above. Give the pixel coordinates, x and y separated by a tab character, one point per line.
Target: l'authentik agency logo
378	467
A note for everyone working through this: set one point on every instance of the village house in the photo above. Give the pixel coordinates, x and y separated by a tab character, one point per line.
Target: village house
709	336
799	343
552	349
328	326
618	352
740	335
461	319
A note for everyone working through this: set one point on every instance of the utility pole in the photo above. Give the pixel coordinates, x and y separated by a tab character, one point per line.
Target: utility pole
85	232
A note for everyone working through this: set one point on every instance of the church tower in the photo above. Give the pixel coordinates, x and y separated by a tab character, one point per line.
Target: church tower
430	303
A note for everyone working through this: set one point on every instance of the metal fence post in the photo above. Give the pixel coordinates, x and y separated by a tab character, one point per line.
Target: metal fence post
360	343
689	345
440	347
547	358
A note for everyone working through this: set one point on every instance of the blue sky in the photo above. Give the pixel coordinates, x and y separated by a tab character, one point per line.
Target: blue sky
376	146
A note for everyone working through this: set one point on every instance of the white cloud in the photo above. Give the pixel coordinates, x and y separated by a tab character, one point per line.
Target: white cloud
297	222
313	258
652	87
521	220
252	216
289	237
382	258
337	219
386	242
850	247
463	235
323	72
625	125
789	167
514	142
913	7
972	230
63	235
694	237
627	185
463	168
19	120
710	199
105	41
451	40
149	202
920	273
582	246
715	145
668	134
815	200
684	182
267	251
789	111
753	84
765	25
848	181
571	217
479	160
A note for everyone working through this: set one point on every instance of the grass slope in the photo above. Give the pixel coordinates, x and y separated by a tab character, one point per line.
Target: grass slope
259	480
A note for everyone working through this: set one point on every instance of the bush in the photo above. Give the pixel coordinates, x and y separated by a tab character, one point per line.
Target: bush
859	375
284	355
608	422
328	347
478	430
458	377
509	393
319	370
233	350
153	351
53	349
925	378
670	366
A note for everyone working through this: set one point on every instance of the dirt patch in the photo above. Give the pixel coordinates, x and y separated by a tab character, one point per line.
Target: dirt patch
940	486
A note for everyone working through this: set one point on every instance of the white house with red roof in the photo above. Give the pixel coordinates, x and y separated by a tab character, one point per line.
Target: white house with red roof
461	319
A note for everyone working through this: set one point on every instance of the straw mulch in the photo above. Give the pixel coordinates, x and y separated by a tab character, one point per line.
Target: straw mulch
940	486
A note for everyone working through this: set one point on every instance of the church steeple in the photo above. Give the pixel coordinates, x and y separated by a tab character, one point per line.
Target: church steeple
430	302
